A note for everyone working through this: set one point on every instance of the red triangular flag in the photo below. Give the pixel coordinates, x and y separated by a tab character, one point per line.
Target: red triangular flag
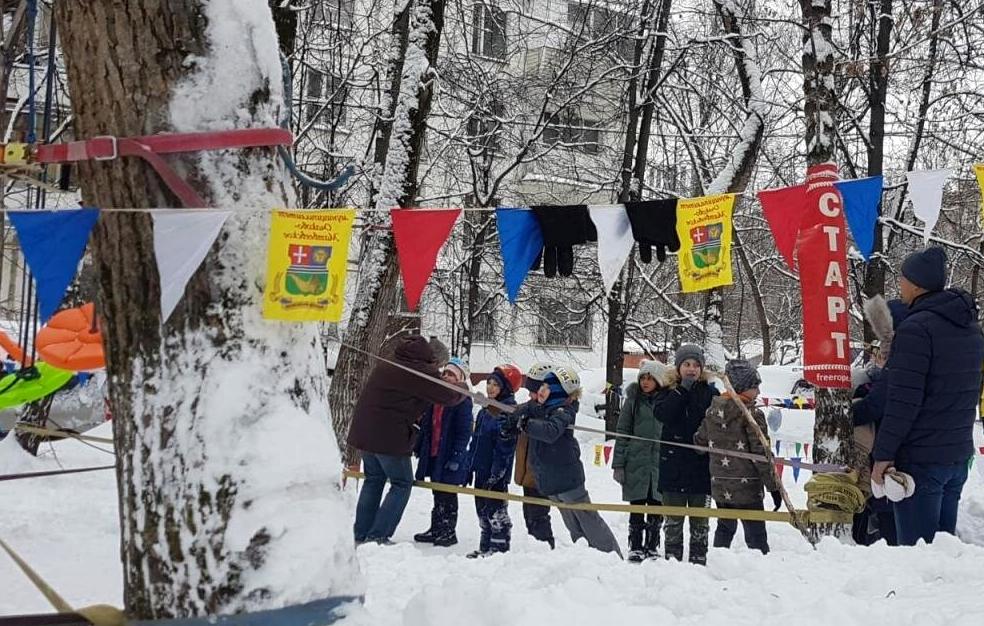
608	453
806	450
419	235
783	209
779	468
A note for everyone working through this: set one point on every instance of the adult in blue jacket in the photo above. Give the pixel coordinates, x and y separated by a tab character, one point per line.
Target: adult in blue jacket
442	447
934	385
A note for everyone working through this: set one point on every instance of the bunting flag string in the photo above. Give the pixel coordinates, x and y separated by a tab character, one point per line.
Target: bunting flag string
614	241
181	241
926	195
419	235
53	243
783	209
861	200
796	468
521	242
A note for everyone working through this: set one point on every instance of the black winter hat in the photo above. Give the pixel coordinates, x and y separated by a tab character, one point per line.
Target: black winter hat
743	375
926	269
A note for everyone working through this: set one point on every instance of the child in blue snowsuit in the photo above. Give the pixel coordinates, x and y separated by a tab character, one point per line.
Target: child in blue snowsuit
442	450
492	449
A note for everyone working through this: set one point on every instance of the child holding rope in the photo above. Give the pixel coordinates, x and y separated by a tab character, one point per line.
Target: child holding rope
491	451
636	462
737	483
556	457
684	479
536	516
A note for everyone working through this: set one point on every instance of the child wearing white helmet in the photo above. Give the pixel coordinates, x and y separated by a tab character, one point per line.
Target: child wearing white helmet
537	517
556	457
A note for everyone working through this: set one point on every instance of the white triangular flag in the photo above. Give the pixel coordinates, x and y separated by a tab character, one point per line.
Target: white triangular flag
614	240
181	241
926	194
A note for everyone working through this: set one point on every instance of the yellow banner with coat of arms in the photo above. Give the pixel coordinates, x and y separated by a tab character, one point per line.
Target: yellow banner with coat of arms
704	229
307	259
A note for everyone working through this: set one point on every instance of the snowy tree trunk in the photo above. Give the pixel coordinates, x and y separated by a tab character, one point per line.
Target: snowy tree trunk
216	518
833	432
416	38
734	178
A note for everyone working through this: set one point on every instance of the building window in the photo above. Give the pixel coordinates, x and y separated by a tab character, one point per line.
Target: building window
484	127
596	22
558	325
571	131
325	99
488	31
335	12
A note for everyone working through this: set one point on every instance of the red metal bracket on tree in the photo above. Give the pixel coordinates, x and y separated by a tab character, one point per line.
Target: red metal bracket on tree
150	147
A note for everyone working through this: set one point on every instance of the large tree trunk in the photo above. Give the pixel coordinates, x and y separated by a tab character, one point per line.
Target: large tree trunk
415	43
833	431
213	512
878	72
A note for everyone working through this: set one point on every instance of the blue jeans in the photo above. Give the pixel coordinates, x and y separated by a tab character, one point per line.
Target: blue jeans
375	522
933	507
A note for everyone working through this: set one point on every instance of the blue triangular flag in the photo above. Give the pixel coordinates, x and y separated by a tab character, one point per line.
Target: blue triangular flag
796	468
521	241
861	198
53	243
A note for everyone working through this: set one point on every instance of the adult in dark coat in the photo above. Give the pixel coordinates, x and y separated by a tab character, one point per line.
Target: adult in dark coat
934	385
684	477
442	453
383	429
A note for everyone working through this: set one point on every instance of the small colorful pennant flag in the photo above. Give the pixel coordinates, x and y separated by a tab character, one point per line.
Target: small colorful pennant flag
780	468
806	450
521	241
608	453
419	234
926	194
598	454
783	209
796	468
181	241
53	243
861	200
777	446
614	240
798	447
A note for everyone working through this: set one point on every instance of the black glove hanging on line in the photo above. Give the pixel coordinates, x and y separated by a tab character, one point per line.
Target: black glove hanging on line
654	226
563	228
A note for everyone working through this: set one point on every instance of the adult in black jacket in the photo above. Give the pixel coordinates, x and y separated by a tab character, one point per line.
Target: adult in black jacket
934	385
684	477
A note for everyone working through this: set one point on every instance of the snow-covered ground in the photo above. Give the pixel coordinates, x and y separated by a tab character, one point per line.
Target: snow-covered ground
67	528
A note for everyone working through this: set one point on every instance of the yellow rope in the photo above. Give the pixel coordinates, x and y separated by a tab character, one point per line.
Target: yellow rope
835	491
818	517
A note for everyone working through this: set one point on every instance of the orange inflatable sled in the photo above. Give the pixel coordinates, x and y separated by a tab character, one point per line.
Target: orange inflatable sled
71	340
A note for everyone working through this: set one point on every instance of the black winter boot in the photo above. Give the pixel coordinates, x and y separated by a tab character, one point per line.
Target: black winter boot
445	540
637	554
674	551
425	537
698	554
651	545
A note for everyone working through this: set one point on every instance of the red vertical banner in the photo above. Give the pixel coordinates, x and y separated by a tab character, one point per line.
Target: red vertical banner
822	257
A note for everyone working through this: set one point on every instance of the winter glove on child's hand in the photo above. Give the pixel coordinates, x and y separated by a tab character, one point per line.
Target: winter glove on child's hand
654	225
619	474
563	228
776	499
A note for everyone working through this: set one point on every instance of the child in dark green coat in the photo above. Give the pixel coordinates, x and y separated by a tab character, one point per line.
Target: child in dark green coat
636	463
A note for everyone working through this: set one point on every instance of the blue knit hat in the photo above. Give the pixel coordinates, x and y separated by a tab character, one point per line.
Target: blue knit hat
926	269
558	395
